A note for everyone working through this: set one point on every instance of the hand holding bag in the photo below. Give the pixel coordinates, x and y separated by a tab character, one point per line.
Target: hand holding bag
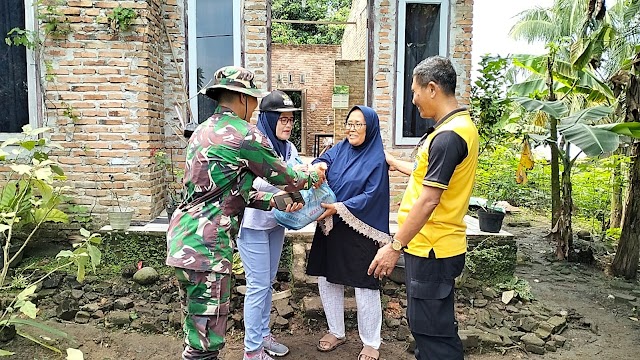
310	212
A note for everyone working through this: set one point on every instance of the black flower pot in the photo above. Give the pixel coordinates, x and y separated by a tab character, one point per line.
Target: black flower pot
490	221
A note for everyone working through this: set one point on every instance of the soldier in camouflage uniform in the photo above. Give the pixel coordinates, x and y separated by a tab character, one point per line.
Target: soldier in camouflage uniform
225	154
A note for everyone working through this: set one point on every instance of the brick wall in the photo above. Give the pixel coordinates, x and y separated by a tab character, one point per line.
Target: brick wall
351	73
316	63
354	40
384	71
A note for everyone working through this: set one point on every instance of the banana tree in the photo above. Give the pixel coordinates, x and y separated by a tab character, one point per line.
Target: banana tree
582	129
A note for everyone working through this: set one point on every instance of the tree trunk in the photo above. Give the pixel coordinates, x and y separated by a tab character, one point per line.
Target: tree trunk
626	261
555	150
615	218
564	234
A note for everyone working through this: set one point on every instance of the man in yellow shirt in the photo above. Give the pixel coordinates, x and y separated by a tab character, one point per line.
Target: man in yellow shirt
431	216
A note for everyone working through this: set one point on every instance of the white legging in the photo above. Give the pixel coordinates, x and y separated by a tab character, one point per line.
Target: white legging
369	311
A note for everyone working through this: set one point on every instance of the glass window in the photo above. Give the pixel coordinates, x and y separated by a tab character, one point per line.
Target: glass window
212	45
14	91
422	32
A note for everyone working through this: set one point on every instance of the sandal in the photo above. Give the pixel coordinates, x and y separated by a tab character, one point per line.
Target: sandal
368	353
330	342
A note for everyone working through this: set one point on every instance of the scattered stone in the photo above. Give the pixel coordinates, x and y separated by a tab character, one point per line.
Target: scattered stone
98	314
535	349
128	271
527	324
281	323
90	308
52	282
91	296
544	330
519	224
392	323
123	303
559	340
146	276
483	317
557	323
470	339
77	294
117	318
403	333
507	296
490	339
480	303
512	309
532	339
550	346
82	317
7	333
175	320
490	293
121	290
284	309
621	298
67	309
412	344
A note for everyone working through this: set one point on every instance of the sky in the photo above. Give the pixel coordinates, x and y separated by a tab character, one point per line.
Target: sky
492	20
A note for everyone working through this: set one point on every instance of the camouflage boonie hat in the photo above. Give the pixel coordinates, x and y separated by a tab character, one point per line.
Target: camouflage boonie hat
233	78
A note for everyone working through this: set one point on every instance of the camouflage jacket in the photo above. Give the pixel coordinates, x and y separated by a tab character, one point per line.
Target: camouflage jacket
225	154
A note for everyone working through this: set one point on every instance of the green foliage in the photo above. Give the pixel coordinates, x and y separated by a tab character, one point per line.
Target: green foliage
491	262
127	249
238	268
54	21
488	103
310	10
21	37
495	179
612	235
121	18
21	306
173	176
520	286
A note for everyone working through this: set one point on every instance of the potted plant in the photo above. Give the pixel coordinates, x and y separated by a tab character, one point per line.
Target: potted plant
119	216
173	178
490	214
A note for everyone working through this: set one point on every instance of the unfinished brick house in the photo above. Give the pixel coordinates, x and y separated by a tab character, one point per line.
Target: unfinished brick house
110	97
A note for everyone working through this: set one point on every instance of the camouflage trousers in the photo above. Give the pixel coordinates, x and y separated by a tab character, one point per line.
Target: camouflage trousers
204	297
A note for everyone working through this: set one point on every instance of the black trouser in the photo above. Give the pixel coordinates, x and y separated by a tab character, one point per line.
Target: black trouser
430	310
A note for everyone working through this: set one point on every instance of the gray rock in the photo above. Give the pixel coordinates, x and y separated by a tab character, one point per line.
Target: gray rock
284	309
512	309
584	235
82	317
531	339
403	332
483	317
77	294
175	320
67	309
623	298
392	323
535	349
91	296
559	340
123	304
470	339
118	318
527	324
489	293
121	290
52	282
544	330
551	346
557	323
281	323
90	308
412	344
480	303
146	276
98	314
46	293
490	339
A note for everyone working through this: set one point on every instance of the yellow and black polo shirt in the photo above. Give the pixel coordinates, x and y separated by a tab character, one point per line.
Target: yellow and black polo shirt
447	159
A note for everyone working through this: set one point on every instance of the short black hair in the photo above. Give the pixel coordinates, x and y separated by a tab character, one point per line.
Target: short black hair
439	70
226	96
